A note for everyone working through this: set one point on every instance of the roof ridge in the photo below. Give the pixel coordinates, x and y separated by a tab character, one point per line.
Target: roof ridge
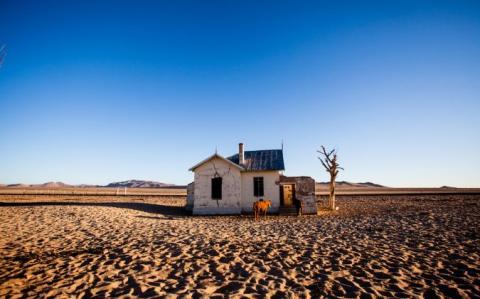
271	159
264	150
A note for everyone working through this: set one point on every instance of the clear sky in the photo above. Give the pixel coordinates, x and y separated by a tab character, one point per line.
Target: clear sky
97	91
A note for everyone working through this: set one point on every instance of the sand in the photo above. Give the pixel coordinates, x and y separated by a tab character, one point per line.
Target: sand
398	246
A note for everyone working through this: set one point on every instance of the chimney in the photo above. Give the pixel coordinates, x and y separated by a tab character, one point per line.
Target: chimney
241	155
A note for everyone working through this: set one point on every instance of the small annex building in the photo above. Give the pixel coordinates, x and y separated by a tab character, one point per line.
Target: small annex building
230	185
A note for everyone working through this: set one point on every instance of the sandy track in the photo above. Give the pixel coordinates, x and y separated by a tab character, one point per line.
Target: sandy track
390	246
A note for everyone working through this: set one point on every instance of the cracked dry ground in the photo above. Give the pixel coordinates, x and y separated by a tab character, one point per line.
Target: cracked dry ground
388	246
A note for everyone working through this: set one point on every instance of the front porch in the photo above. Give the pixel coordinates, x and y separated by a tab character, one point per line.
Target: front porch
297	188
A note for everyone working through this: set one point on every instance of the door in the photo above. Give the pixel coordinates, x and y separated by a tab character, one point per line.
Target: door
288	195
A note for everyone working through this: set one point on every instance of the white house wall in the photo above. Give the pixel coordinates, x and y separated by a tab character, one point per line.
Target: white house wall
231	189
271	189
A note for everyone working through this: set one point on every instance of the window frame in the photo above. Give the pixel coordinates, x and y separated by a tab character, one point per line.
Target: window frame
258	186
217	186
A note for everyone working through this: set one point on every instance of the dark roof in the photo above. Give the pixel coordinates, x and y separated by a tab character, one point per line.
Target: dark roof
261	160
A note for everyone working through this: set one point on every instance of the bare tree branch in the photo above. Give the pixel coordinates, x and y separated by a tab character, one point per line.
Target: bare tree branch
331	152
324	165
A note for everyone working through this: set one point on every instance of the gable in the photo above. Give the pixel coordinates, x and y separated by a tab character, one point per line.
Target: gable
214	157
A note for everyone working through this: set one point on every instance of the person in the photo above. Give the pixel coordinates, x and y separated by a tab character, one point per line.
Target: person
299	206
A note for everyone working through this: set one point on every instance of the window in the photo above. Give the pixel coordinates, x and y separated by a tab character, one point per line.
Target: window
258	186
217	188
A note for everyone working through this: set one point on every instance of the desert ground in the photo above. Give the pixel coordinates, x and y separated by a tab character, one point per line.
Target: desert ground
93	191
110	246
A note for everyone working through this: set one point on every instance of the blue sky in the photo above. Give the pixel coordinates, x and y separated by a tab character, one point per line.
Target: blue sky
94	92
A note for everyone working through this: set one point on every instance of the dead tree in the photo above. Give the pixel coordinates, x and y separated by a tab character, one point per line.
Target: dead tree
329	161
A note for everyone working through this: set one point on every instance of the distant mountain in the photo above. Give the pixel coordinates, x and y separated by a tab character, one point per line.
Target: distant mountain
345	184
18	185
51	185
372	185
44	185
138	184
87	186
128	184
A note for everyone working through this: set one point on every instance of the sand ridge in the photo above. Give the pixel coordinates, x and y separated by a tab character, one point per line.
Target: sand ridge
393	247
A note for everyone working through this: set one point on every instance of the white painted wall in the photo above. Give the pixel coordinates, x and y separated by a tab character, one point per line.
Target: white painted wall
231	189
270	189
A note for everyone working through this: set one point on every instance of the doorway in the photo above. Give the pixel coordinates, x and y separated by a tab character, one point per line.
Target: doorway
287	194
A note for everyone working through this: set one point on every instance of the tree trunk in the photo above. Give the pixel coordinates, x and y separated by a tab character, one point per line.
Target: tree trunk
332	193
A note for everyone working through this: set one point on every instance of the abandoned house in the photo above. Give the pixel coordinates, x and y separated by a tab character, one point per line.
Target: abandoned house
231	185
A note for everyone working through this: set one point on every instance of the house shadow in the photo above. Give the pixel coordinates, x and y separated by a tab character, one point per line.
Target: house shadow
163	217
137	206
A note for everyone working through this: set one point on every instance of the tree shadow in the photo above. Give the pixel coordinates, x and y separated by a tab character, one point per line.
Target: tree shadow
137	206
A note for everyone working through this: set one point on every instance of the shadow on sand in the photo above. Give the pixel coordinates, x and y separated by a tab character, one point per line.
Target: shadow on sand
165	217
142	207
